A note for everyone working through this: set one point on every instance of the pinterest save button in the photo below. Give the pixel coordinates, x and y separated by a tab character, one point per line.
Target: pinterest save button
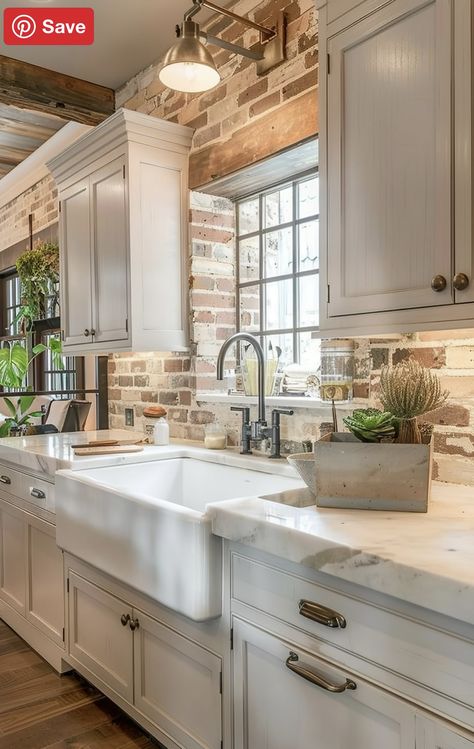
48	26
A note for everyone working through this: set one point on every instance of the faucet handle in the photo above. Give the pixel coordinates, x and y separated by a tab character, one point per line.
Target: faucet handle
277	412
245	412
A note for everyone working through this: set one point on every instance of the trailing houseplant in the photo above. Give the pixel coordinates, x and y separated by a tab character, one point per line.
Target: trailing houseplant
14	365
38	271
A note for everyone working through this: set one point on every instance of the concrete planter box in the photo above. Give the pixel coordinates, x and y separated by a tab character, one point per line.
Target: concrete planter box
372	476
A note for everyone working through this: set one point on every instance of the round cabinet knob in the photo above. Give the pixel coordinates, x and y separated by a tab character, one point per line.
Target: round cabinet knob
92	331
87	332
438	283
460	281
134	624
124	619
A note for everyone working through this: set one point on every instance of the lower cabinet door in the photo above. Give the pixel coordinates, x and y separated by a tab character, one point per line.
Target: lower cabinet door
45	605
100	638
13	556
177	685
435	735
278	708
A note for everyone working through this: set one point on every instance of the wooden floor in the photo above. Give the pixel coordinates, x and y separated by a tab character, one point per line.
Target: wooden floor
41	710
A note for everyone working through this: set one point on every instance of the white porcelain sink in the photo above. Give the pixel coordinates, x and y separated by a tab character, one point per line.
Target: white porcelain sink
145	523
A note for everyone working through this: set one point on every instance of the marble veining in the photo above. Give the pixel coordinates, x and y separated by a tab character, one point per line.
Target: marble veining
427	559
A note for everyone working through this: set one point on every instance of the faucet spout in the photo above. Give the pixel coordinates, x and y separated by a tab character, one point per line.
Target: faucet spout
261	366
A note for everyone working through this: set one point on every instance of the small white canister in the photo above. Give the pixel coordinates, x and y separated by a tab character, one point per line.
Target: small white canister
158	430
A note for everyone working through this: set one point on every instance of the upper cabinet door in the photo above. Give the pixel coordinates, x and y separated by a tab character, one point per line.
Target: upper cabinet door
389	140
110	250
76	264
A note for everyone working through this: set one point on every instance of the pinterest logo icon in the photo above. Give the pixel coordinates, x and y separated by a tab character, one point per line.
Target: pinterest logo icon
23	26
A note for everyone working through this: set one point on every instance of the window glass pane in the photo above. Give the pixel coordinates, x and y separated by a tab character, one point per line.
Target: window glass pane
249	216
310	348
250	308
308	198
281	349
279	305
279	252
279	207
309	246
309	300
249	259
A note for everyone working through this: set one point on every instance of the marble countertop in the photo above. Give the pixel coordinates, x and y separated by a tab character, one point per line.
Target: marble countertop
424	559
48	453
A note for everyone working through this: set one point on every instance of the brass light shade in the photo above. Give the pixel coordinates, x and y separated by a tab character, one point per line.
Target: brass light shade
188	65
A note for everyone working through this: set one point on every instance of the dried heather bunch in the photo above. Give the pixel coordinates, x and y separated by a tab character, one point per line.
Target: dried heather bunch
409	390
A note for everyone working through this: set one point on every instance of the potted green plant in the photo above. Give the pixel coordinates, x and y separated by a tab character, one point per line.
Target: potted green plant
384	462
38	270
14	364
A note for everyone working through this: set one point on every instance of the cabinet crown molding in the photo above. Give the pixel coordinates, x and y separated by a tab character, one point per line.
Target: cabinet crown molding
125	127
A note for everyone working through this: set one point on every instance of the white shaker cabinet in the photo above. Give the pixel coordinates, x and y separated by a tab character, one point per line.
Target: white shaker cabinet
31	579
435	735
123	197
161	676
277	708
395	114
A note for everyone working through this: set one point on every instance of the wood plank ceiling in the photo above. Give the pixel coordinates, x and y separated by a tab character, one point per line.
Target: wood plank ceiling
21	132
35	103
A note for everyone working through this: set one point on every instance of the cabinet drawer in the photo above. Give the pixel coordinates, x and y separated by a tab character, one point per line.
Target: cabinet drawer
34	491
406	647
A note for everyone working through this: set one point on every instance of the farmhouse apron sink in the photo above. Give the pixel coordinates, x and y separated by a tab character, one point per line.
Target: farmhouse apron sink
145	523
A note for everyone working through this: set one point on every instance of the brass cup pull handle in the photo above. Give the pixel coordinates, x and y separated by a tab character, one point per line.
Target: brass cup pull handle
321	614
134	624
293	663
5	480
460	281
438	283
124	619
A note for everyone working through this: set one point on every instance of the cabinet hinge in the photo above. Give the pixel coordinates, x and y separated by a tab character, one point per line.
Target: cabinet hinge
220	683
64	635
329	64
329	293
232	638
67	585
123	171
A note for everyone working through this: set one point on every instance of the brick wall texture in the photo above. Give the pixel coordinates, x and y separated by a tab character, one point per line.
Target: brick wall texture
241	97
175	380
179	381
41	200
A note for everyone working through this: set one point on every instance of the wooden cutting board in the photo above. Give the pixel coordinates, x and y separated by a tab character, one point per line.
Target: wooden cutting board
107	449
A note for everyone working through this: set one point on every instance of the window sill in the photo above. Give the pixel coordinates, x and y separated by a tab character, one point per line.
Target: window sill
283	401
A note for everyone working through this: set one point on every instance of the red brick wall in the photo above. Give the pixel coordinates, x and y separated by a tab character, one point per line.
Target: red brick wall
242	97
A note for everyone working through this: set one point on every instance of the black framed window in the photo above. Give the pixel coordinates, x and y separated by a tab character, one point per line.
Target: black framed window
278	267
44	375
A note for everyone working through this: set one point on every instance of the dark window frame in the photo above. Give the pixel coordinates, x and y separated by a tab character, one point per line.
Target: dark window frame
262	281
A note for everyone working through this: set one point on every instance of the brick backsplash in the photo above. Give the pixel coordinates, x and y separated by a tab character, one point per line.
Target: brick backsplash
174	380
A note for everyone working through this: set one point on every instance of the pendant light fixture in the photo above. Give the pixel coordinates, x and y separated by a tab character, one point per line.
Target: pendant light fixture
188	66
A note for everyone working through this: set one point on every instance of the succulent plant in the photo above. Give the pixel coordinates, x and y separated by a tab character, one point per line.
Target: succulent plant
371	424
409	390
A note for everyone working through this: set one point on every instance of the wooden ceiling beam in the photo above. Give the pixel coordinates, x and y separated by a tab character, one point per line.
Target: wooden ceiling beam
31	87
